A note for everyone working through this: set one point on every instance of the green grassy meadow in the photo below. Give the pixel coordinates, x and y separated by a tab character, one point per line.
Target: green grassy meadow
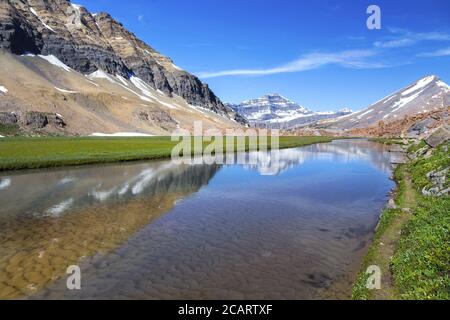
46	152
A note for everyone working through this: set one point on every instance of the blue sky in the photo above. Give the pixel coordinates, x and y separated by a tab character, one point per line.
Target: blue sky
318	53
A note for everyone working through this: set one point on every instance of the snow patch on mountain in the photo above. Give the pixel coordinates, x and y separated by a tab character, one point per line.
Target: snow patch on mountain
443	85
122	79
65	91
122	82
40	19
141	85
76	6
365	113
55	61
419	85
168	105
404	101
176	67
100	74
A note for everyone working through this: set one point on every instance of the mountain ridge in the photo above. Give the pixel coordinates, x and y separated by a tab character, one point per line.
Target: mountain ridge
427	94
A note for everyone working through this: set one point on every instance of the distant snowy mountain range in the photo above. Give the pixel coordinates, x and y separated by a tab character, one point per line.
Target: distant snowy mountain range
275	111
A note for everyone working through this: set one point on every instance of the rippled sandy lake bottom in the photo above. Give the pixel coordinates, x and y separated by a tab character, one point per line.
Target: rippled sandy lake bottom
157	230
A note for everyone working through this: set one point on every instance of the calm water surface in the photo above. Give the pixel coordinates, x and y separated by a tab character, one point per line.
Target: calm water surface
157	230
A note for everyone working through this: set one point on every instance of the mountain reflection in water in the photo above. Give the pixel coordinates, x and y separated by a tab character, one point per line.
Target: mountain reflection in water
52	219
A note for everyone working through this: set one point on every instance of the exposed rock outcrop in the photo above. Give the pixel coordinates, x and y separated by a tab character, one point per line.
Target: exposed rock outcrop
416	126
435	141
439	136
420	127
32	121
36	119
438	181
397	154
8	118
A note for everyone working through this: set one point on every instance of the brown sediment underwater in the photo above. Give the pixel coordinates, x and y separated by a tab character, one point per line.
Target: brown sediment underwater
49	246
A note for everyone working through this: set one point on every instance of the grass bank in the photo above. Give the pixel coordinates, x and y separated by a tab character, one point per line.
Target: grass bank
46	152
412	242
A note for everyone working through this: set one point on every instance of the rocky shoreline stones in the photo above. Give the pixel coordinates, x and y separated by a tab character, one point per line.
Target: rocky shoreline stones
439	136
438	181
398	154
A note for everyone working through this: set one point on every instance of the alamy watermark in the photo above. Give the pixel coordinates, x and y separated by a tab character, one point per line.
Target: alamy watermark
374	279
374	20
74	280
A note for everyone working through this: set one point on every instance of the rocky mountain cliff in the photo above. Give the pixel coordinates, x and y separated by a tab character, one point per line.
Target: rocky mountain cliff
39	94
275	111
89	43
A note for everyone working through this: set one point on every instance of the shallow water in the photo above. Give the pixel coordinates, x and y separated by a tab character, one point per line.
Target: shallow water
157	230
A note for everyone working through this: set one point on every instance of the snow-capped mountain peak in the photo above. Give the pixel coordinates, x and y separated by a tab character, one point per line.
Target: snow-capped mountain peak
422	83
346	110
276	111
270	107
426	94
275	101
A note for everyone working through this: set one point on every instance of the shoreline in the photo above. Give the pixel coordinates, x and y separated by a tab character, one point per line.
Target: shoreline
405	237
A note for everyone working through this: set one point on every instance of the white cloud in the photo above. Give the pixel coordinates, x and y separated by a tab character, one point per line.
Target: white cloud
357	59
437	53
407	38
394	43
349	59
140	17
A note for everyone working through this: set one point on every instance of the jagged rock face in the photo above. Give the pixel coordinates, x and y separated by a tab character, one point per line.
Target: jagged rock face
87	42
49	27
16	33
